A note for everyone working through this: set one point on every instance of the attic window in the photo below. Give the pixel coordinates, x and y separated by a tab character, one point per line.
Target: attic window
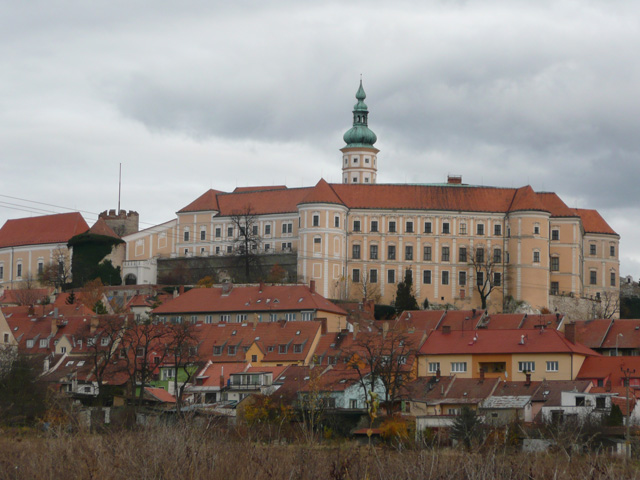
234	332
256	339
333	345
344	380
259	300
81	363
307	378
300	299
268	300
246	304
275	300
298	332
270	348
69	363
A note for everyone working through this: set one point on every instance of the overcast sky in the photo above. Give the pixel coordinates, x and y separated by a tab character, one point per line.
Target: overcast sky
190	95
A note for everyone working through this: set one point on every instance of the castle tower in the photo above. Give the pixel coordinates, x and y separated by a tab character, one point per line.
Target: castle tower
359	156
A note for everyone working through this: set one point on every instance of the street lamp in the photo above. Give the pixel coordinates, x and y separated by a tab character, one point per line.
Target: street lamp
617	338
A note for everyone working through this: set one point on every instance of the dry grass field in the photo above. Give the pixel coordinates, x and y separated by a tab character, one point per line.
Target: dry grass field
185	452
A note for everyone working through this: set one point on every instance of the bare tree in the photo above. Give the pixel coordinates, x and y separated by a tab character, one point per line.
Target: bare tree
368	287
312	403
487	271
383	357
58	272
144	347
26	294
102	337
182	352
609	305
248	240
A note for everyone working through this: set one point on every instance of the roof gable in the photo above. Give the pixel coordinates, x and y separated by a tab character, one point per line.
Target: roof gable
42	230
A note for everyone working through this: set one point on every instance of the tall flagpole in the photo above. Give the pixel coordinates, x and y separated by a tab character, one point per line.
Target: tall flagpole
119	188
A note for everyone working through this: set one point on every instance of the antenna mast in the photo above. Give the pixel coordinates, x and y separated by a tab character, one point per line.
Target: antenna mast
119	188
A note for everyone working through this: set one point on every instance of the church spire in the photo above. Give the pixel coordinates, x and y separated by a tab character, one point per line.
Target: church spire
359	161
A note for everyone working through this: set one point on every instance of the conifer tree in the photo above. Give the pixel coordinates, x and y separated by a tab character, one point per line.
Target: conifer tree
405	299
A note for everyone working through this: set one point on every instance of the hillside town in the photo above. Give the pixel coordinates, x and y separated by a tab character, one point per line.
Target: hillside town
338	307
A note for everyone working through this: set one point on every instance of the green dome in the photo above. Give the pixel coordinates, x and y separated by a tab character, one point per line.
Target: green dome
360	135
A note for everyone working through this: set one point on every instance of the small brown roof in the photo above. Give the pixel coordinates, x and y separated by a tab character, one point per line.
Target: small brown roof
322	193
526	199
208	201
101	228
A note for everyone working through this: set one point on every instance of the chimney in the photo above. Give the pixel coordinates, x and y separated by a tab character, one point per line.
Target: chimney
454	179
570	332
312	286
473	313
446	329
175	293
32	310
283	323
527	382
323	326
385	329
261	287
481	374
181	289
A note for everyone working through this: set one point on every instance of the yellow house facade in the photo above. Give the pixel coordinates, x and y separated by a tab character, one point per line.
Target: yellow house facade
507	354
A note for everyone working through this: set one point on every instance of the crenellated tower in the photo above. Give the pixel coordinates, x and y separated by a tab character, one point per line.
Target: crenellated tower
359	156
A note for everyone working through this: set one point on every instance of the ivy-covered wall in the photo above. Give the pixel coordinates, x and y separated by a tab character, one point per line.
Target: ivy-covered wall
89	251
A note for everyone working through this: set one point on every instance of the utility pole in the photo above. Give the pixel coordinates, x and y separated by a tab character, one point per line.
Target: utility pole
626	372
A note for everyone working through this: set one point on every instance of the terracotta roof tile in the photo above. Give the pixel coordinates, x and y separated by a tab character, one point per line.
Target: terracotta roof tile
609	368
624	333
265	298
208	201
41	230
592	222
461	319
500	341
592	332
322	193
554	204
550	392
526	199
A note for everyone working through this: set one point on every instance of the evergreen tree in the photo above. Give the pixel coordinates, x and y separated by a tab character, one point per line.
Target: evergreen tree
71	299
615	416
405	299
466	427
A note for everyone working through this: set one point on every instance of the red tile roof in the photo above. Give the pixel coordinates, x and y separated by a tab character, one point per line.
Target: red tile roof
208	201
592	222
592	332
322	193
461	319
257	298
42	230
555	205
423	320
549	320
268	336
210	375
159	394
259	188
525	199
502	321
262	202
609	368
335	379
624	333
550	391
500	341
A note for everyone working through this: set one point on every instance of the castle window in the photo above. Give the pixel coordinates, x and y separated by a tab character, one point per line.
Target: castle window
19	270
355	179
612	251
218	232
462	255
427	253
555	288
373	252
536	229
366	160
336	221
463	229
203	234
497	255
355	252
593	277
480	255
555	234
480	278
356	225
356	275
427	227
613	279
391	276
536	256
497	230
316	220
267	229
391	252
462	278
445	254
555	264
373	276
409	227
374	225
392	226
229	231
186	235
445	228
445	277
408	252
426	277
592	249
40	268
480	229
497	279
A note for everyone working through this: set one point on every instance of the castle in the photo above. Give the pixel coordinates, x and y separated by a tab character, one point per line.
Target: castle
358	239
